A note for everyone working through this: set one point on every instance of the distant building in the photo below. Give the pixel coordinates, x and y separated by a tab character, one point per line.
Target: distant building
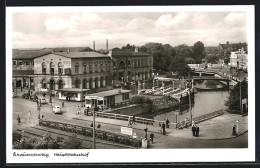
226	49
239	59
128	66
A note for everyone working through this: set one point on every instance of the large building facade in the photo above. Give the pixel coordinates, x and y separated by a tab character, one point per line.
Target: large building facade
54	70
239	59
58	70
129	66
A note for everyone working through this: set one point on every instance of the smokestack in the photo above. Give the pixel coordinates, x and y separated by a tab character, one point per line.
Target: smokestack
107	44
94	45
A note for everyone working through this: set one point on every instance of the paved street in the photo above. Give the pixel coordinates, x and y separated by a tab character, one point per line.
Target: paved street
216	132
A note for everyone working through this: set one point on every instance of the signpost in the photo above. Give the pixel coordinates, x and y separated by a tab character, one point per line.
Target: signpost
127	131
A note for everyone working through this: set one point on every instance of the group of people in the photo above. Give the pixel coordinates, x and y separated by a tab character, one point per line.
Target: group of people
98	125
195	130
130	122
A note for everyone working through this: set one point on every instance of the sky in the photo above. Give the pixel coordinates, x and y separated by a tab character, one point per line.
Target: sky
39	30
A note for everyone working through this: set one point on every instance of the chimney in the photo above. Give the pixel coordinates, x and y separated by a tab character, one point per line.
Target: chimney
94	45
107	45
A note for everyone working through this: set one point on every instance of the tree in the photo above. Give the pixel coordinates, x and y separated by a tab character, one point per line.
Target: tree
198	51
212	59
233	101
179	66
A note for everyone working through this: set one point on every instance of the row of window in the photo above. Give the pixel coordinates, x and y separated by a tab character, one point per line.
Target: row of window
125	96
134	64
92	69
22	63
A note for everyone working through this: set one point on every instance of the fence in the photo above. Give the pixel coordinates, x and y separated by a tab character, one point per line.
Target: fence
126	117
201	118
88	131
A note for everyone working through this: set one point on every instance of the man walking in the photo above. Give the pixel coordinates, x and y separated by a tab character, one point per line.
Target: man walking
151	136
163	128
133	119
18	120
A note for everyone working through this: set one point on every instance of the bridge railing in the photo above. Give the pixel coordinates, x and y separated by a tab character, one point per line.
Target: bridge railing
126	117
200	118
88	131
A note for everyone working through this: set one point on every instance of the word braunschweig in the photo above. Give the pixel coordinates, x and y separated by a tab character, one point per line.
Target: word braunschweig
31	154
71	154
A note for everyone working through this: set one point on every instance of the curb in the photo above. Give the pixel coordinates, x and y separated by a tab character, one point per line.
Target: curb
231	137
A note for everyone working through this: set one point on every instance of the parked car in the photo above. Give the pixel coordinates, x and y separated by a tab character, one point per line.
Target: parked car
25	96
43	101
56	109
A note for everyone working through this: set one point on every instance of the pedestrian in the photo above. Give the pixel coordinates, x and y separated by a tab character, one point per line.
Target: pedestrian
234	130
145	130
197	131
62	104
167	123
91	125
98	126
186	122
29	116
133	119
78	111
42	116
18	119
163	128
44	94
151	136
129	121
193	129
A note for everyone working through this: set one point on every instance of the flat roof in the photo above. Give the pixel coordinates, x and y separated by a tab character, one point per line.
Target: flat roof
72	90
109	93
87	54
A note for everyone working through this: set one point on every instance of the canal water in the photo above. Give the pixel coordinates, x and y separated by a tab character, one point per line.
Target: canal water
204	103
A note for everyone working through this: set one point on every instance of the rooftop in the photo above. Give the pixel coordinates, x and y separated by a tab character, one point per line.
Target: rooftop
109	93
129	53
73	90
29	54
88	54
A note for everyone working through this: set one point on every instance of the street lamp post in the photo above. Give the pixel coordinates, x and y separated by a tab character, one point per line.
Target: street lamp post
176	114
237	121
94	139
190	106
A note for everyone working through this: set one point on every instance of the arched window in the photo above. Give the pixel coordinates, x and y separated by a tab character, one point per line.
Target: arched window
90	68
96	83
85	84
101	81
84	68
60	68
101	67
44	83
121	65
77	83
52	84
52	68
43	68
90	83
60	84
76	67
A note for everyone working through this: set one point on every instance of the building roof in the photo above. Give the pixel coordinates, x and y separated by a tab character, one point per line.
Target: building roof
77	90
88	54
109	93
29	54
129	53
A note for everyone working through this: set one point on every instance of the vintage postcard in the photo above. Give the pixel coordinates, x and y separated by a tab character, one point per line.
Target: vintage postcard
130	84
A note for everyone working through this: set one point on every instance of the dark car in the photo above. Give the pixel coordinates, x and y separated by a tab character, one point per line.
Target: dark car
25	96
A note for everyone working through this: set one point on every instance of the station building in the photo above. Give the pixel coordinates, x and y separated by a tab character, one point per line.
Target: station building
129	66
59	70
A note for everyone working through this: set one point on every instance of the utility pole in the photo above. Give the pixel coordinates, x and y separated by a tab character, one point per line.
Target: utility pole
190	106
81	92
94	139
240	100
